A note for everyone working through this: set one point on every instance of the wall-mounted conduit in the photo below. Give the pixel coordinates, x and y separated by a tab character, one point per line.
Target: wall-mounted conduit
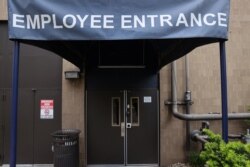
195	117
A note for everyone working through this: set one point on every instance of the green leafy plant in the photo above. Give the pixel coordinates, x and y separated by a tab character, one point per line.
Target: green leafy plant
194	159
217	153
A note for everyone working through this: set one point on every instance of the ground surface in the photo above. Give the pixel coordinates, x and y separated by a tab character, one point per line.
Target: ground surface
179	165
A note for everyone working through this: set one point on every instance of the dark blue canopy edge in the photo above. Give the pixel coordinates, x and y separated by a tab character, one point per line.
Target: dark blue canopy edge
70	28
166	51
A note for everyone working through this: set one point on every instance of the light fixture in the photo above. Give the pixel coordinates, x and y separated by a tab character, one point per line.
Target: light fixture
72	74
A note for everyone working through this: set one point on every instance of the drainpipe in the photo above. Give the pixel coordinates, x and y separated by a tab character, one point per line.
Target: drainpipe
174	89
195	117
187	99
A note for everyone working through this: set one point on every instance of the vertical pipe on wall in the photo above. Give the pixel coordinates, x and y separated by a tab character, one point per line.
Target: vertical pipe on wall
13	133
224	91
187	105
187	72
174	87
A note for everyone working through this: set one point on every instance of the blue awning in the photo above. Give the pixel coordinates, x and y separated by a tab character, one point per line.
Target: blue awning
117	20
175	27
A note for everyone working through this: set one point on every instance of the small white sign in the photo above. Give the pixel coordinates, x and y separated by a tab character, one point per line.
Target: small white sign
47	109
147	99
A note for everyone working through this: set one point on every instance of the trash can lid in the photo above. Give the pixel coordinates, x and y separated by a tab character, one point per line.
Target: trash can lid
66	133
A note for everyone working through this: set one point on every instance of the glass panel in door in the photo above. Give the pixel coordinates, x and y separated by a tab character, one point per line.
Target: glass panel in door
111	139
142	137
105	140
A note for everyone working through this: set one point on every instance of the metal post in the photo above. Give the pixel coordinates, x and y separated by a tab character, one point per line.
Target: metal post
13	133
224	91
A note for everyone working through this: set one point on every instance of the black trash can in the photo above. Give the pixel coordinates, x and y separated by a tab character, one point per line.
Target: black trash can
66	148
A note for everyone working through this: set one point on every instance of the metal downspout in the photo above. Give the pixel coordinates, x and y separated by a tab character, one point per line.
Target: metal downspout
174	89
196	117
187	104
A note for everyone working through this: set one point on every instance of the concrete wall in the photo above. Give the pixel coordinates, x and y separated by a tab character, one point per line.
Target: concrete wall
73	105
3	10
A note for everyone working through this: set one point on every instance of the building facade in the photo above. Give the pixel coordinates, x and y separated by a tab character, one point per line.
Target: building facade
203	82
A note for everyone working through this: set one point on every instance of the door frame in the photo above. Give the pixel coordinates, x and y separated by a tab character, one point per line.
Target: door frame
125	138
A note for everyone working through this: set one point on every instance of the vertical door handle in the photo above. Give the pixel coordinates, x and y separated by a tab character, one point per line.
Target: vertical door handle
122	129
128	124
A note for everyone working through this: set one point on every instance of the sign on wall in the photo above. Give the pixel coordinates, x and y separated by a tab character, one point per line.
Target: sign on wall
147	99
47	109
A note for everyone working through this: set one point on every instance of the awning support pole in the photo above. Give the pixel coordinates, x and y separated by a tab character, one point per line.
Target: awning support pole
224	91
13	133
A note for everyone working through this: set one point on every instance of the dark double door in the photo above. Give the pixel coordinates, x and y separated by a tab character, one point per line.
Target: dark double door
122	127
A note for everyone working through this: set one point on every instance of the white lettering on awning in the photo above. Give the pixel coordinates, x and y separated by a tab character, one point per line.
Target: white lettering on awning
69	21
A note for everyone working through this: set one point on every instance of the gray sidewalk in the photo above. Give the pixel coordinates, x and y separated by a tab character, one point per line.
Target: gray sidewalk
35	165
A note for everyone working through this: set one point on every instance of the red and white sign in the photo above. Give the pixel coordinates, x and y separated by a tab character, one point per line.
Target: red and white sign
47	109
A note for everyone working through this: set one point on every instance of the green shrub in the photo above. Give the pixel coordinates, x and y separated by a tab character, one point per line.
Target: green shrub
219	154
194	160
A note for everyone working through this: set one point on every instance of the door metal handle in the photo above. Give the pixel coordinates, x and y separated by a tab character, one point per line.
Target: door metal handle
128	124
122	129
